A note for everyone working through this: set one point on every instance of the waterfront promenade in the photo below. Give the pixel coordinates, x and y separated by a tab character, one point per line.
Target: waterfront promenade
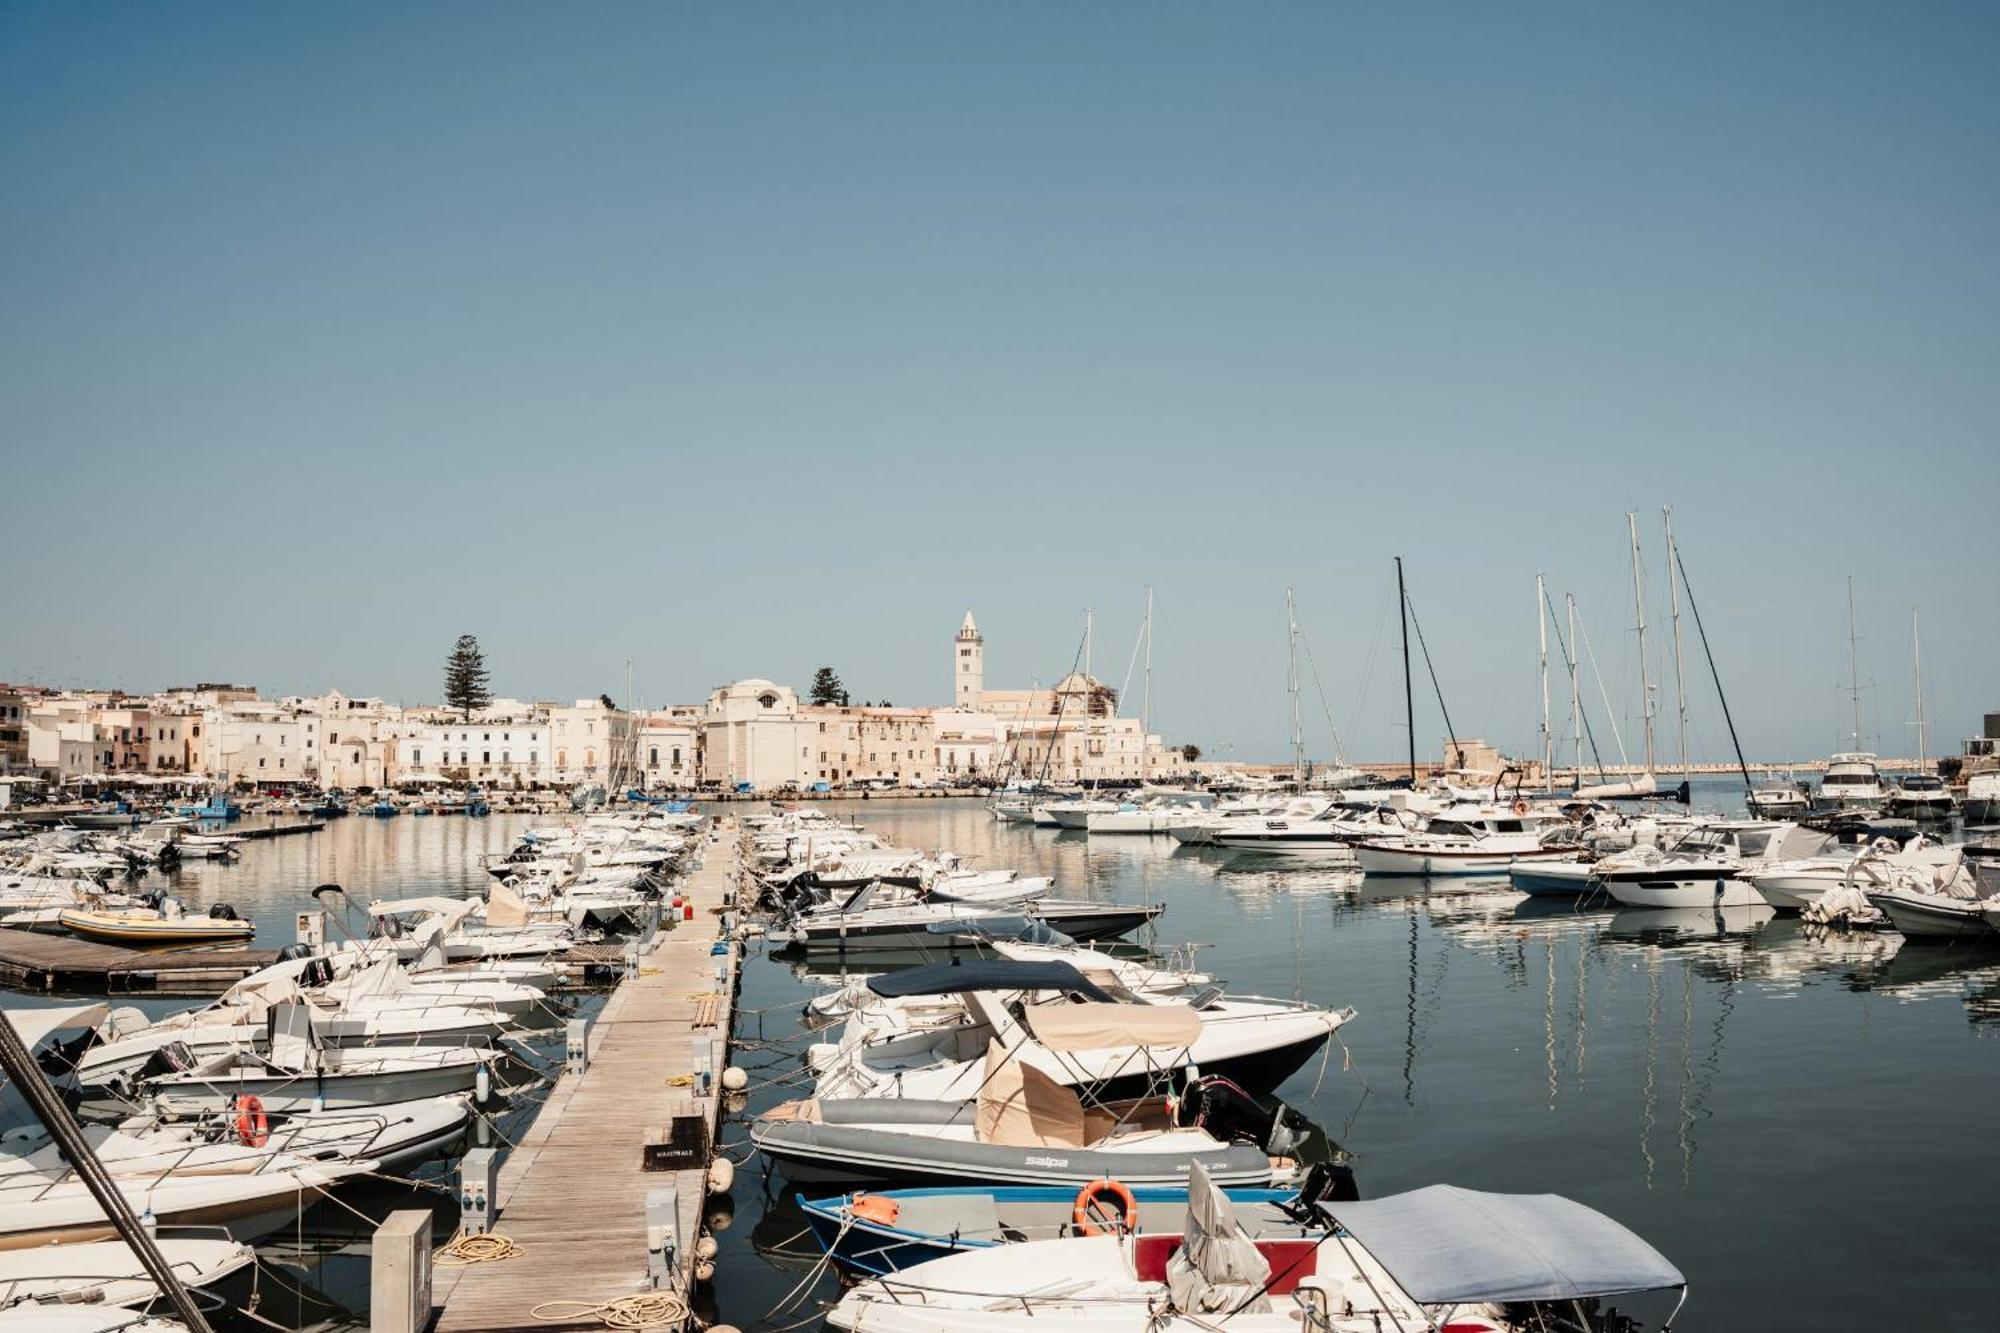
572	1195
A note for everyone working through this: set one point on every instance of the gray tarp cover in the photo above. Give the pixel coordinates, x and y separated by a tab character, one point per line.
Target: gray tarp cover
1444	1245
985	974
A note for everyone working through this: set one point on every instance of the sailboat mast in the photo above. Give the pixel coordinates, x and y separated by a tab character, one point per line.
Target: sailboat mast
1680	679
1292	684
1917	670
1409	704
1542	639
1575	694
1639	602
1146	699
1854	662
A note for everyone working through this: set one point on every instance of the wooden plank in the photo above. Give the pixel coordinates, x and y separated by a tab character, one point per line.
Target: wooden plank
572	1194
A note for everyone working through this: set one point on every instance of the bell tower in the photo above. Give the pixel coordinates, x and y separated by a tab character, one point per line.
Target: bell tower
970	666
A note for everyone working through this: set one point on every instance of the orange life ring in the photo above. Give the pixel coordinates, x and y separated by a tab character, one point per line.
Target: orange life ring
1520	806
252	1126
1088	1195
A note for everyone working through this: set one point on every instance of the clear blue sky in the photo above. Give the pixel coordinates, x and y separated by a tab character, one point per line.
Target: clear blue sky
734	339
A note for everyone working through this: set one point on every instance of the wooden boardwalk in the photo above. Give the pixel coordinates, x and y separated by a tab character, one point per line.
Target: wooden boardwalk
572	1194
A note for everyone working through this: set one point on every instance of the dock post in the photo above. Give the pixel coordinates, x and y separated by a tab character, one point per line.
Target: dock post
579	1045
399	1282
311	930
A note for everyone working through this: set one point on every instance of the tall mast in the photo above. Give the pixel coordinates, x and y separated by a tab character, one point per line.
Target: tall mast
1146	699
1854	661
1409	705
1639	601
1575	696
1292	683
1542	638
1917	670
1680	680
1087	623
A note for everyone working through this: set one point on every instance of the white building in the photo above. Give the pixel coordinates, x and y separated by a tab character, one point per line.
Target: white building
260	742
670	746
489	751
752	734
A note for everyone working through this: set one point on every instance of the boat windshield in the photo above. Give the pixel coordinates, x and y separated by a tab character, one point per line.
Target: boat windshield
1753	842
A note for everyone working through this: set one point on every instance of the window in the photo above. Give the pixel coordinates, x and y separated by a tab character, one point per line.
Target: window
653	757
506	756
416	756
486	756
333	738
260	762
281	763
487	737
677	756
533	757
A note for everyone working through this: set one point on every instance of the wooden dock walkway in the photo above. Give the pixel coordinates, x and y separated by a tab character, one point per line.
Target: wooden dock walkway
31	961
572	1194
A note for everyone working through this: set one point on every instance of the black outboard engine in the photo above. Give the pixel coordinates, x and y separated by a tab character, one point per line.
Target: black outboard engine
319	972
385	928
1328	1182
291	953
1226	1111
155	899
223	912
172	1058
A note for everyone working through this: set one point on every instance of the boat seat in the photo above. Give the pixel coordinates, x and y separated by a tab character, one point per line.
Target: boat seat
1291	1259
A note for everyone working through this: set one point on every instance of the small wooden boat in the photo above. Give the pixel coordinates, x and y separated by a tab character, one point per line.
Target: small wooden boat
142	925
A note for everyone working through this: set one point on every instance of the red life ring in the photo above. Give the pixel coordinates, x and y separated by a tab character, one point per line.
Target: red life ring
1520	806
252	1126
1085	1197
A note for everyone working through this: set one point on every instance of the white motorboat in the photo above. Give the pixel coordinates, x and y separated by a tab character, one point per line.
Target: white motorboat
108	1273
1851	781
1075	814
1069	1029
1920	796
1793	886
1471	843
1982	799
1440	1257
1708	866
1779	800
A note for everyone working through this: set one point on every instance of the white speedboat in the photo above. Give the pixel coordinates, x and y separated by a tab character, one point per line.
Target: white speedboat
1075	814
1708	866
1920	796
1793	886
1467	844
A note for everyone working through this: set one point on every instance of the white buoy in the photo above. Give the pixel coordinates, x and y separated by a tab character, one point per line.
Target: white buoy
734	1079
721	1175
704	1272
706	1248
482	1084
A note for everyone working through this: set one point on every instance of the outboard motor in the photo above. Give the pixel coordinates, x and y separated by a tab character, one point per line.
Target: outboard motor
172	1058
294	951
317	973
155	899
223	912
1328	1182
1226	1111
385	928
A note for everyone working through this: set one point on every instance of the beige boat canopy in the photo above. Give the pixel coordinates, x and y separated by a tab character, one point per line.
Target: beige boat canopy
1022	1107
1099	1027
504	907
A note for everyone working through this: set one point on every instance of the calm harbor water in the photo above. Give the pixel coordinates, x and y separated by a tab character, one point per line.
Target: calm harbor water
1797	1121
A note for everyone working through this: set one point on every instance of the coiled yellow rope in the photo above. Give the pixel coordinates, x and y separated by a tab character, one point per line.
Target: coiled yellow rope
658	1309
487	1247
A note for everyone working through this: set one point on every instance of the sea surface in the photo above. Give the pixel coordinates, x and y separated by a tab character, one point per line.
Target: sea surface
1801	1122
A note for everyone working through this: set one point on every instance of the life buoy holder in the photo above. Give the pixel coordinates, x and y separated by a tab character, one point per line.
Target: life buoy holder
1082	1215
253	1127
1520	806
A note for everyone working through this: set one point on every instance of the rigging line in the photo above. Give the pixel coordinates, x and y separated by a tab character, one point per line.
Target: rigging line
1570	664
1368	665
1590	656
1339	754
1062	702
1687	588
1138	642
1180	663
1451	733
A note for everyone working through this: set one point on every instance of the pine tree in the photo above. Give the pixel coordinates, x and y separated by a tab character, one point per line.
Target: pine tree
465	677
827	689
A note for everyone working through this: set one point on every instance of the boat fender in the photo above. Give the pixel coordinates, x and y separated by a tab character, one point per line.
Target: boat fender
875	1208
721	1175
482	1084
734	1079
1520	807
1082	1212
253	1127
706	1248
704	1272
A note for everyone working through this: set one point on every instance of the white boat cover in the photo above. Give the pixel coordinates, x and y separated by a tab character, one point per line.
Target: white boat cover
1022	1107
35	1026
1218	1267
1099	1027
1446	1245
